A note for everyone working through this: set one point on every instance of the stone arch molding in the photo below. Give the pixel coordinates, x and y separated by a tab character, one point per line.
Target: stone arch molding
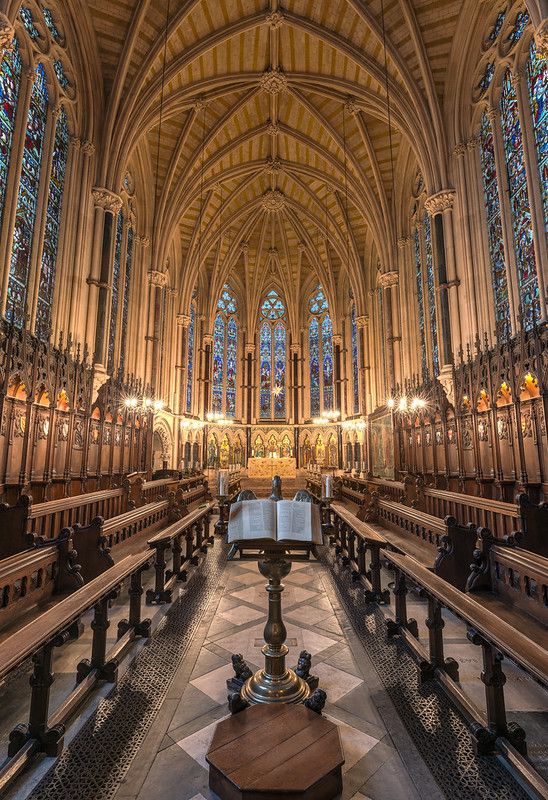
162	429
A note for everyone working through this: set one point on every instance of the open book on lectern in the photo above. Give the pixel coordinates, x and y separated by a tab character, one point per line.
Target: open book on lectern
280	521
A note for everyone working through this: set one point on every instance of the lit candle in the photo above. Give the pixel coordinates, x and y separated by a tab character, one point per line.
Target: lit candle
328	486
223	484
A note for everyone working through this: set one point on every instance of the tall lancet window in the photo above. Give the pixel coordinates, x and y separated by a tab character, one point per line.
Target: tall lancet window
519	202
115	291
10	80
46	286
420	304
320	350
273	355
190	359
127	291
494	229
431	294
225	355
355	360
27	199
537	75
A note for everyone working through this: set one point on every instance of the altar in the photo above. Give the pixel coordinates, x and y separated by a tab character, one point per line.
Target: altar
268	467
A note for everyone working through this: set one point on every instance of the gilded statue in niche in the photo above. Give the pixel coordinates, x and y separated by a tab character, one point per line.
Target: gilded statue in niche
259	447
224	454
319	448
212	451
307	451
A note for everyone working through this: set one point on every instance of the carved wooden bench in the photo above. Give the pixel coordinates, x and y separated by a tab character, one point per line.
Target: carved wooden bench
44	732
194	527
24	522
511	581
526	648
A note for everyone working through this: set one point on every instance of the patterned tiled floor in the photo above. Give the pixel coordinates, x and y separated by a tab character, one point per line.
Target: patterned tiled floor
381	762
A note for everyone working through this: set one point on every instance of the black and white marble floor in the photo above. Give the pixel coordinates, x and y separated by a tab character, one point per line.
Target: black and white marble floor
381	761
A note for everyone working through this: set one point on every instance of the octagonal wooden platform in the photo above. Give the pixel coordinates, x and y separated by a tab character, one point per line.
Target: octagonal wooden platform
276	751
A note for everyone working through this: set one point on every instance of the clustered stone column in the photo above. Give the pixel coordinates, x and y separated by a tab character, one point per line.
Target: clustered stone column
157	283
439	206
107	206
183	324
362	323
388	281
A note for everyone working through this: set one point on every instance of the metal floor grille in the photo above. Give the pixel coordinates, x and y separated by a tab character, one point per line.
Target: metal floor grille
96	761
437	730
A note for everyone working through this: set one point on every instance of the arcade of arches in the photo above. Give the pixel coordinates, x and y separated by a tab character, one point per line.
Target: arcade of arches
283	238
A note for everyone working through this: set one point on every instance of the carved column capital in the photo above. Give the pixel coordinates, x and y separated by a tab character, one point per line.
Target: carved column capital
388	279
157	278
88	148
183	320
403	241
107	200
207	339
337	339
249	349
144	241
295	349
275	19
7	32
459	149
362	321
439	202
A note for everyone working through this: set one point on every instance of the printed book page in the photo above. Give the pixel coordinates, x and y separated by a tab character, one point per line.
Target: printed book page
298	522
252	519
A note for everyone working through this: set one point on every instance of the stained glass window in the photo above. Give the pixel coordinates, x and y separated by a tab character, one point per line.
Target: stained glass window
314	352
279	370
520	24
10	77
218	363
190	359
494	229
64	82
27	199
231	356
497	26
272	345
431	294
327	354
115	291
318	302
50	22
272	307
355	359
28	21
485	82
266	371
420	304
519	203
537	75
53	226
127	290
227	301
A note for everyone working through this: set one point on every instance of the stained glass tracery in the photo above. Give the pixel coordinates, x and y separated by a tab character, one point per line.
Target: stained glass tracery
218	364
10	78
431	294
520	24
27	199
231	355
494	229
46	285
327	354
273	306
127	290
519	202
50	22
537	79
115	291
28	21
420	304
320	345
355	359
265	347
190	359
314	353
280	340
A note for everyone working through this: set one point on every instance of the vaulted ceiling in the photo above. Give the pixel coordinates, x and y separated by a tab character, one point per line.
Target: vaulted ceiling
274	159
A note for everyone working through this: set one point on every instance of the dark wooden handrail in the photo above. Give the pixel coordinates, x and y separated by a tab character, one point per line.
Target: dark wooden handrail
531	655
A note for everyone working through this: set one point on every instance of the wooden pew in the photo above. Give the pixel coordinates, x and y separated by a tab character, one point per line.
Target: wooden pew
30	579
44	732
194	527
526	648
97	542
143	492
353	538
510	581
23	523
443	546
